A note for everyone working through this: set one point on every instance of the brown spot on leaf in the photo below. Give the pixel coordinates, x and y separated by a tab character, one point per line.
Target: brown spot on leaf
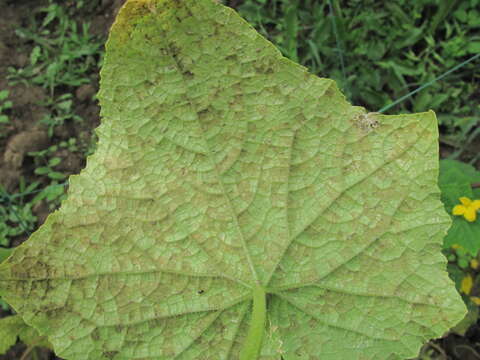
95	334
367	122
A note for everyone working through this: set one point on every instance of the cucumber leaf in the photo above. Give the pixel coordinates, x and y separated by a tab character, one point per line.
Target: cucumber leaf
237	207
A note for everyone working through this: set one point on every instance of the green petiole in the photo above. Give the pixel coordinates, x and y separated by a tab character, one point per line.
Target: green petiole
253	343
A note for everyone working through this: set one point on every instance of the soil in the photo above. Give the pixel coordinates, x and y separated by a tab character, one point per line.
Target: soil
24	134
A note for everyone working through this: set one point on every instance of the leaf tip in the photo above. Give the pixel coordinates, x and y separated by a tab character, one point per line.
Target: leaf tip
129	13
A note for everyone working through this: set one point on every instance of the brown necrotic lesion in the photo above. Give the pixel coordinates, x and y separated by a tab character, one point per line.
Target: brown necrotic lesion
367	122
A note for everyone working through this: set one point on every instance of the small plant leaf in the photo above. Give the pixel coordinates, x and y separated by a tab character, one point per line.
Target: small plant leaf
237	207
54	161
43	170
13	327
3	94
455	181
4	253
55	175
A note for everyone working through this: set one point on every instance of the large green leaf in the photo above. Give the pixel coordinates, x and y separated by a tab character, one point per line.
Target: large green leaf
227	176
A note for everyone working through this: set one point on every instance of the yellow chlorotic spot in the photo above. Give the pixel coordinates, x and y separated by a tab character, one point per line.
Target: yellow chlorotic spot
468	208
467	284
474	264
475	300
456	246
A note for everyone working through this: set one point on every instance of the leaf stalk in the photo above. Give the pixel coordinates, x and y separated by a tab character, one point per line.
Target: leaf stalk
253	342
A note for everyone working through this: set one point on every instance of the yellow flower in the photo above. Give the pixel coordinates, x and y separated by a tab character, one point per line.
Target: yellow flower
474	264
467	284
468	208
475	300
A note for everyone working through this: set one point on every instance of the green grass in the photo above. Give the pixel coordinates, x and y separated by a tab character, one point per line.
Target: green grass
5	105
16	217
63	56
61	110
64	53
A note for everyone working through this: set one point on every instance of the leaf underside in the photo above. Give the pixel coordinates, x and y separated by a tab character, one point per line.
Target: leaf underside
223	167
